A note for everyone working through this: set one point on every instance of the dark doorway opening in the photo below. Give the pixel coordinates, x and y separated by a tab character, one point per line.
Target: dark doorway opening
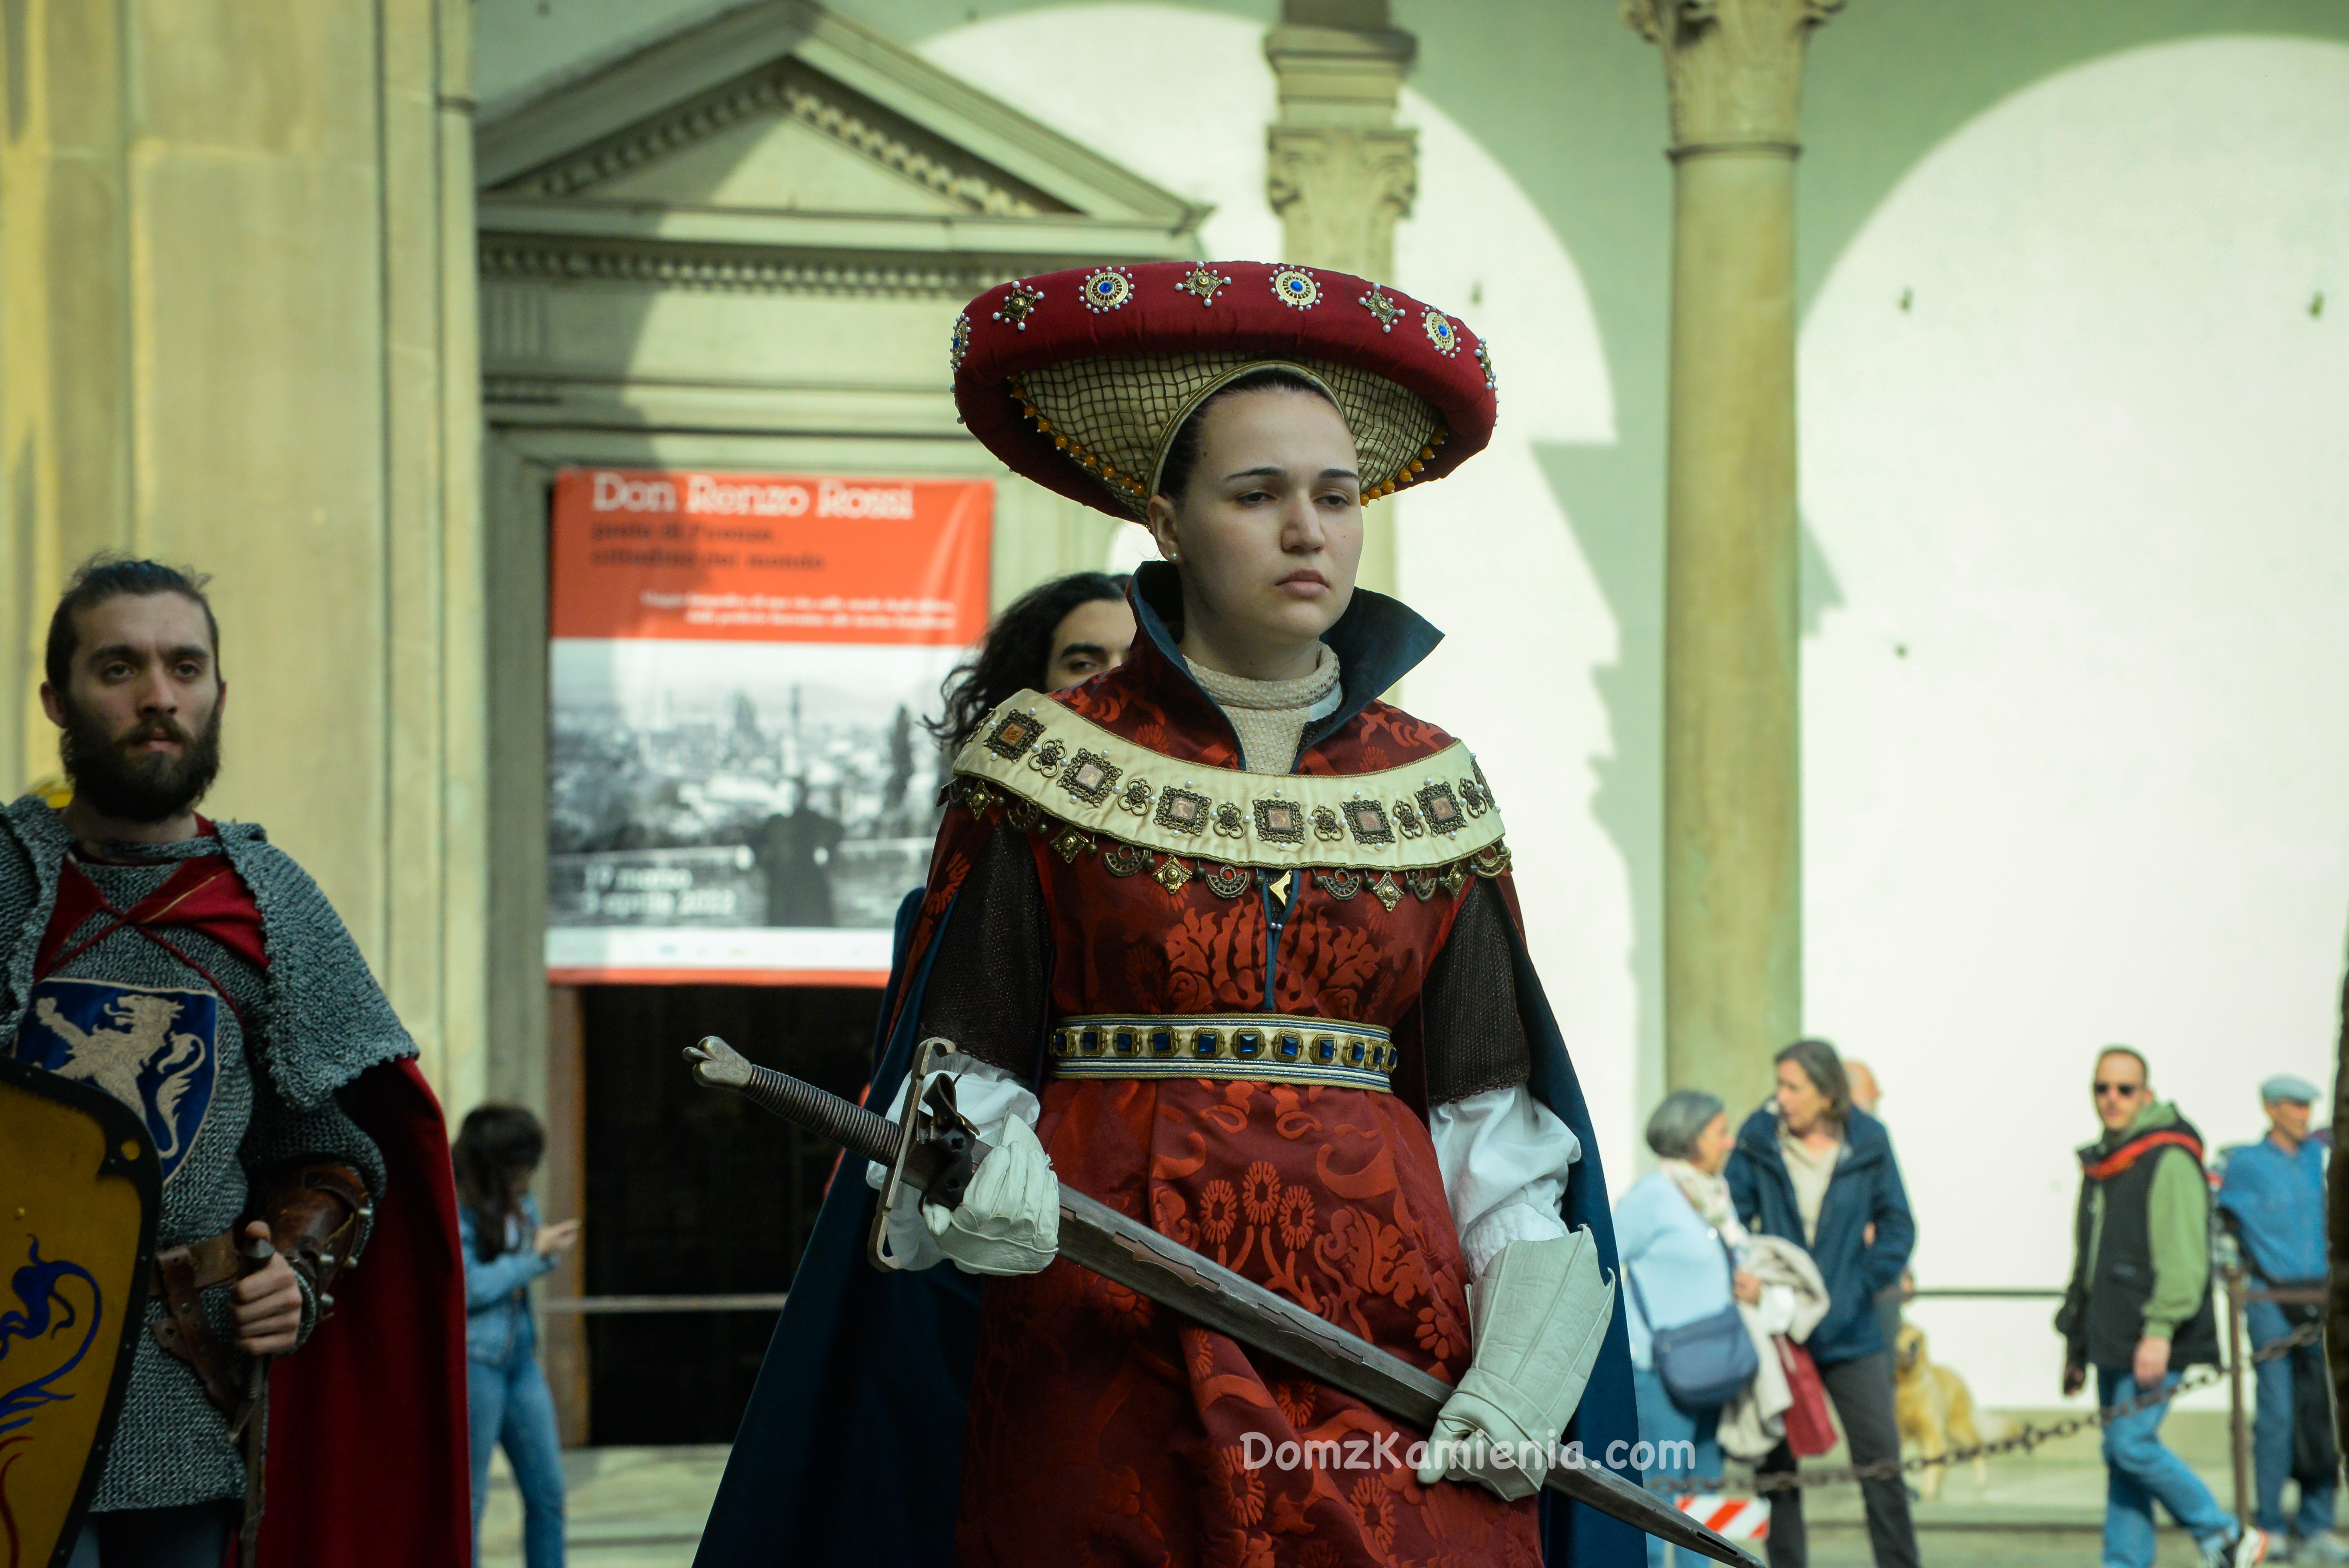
690	1191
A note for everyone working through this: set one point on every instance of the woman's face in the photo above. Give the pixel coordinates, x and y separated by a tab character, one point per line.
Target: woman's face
1269	532
1799	1099
1095	637
1713	1145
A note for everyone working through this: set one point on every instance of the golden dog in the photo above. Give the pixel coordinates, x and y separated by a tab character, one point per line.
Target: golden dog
1932	1405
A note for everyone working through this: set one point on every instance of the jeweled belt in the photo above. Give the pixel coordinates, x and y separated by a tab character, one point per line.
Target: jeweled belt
1270	1046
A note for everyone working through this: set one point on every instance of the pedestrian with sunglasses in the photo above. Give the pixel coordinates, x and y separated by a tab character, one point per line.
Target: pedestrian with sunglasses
2139	1311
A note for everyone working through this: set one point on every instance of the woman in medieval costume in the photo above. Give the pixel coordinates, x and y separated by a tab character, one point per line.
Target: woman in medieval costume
1226	941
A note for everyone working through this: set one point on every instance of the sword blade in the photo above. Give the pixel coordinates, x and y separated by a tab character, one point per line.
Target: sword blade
1096	1236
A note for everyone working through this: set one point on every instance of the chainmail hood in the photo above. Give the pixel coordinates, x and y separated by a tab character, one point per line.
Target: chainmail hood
330	1021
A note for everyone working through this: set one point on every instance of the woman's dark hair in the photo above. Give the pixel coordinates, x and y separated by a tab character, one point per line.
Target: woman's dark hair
497	1147
1182	451
1013	654
1824	1069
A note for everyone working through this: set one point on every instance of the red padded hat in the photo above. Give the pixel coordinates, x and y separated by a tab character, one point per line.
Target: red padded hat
1080	379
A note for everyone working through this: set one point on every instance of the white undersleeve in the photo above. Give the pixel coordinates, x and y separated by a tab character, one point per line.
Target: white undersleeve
1505	1158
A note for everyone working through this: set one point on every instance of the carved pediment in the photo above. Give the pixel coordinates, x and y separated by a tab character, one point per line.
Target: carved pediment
784	139
783	107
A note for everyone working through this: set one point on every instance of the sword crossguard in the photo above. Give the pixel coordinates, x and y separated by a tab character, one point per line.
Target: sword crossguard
937	1149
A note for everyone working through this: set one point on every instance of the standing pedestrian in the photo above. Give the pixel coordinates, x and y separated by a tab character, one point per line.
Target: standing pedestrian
2139	1311
2274	1192
1811	1167
506	1248
1678	1268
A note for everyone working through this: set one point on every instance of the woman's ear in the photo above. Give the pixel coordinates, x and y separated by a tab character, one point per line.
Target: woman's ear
1160	521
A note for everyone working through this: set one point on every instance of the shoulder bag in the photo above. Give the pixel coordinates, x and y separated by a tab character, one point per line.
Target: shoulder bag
1706	1364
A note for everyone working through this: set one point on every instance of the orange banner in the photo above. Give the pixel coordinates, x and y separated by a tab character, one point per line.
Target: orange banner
686	556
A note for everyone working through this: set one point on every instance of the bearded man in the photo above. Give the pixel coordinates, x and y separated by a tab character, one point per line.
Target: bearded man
192	971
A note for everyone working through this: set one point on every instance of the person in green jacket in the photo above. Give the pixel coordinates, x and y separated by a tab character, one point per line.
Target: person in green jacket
2138	1310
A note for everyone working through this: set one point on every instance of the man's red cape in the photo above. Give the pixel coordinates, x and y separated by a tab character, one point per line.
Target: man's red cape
369	1461
367	1439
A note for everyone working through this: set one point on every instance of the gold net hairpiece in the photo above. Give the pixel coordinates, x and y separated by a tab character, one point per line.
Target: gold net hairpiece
1116	418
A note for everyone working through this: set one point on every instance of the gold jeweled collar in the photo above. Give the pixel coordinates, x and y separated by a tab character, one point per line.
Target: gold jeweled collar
1433	812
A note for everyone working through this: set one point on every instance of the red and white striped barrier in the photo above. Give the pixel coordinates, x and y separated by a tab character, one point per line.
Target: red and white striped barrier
1738	1518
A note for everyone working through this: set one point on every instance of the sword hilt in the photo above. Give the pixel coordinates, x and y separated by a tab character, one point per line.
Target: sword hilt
717	1065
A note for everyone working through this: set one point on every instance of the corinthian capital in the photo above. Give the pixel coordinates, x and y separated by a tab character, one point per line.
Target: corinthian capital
1732	68
1338	193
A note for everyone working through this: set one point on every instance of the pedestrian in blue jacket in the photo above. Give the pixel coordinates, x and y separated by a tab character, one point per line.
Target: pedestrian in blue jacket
2274	1192
1812	1169
507	1249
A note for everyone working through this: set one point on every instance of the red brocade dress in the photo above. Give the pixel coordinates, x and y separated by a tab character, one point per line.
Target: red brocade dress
1103	862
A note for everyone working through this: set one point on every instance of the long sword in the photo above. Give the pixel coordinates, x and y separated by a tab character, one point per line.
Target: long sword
1123	1249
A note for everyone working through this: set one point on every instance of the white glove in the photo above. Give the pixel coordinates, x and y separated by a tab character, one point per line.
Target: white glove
1009	1221
1538	1318
990	1097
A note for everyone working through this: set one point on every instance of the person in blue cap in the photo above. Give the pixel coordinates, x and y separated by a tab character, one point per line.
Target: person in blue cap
2273	1192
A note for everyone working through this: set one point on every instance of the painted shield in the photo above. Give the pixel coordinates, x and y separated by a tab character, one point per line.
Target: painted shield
79	1191
154	1048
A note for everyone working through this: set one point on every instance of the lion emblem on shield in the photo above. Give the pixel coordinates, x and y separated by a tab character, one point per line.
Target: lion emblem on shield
134	1044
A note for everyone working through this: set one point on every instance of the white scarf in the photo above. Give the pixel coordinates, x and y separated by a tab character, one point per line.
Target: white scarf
1708	1194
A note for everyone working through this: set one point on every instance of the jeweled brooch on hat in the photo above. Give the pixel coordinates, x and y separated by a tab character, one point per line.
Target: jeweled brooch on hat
1019	304
1295	287
1204	281
1108	289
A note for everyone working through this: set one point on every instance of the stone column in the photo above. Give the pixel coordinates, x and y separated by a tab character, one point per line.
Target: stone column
1337	169
1733	840
237	330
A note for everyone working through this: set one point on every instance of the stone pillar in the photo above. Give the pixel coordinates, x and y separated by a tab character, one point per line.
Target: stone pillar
1732	841
237	330
1337	169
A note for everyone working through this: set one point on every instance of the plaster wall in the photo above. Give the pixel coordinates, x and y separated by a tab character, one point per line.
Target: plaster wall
2071	435
236	331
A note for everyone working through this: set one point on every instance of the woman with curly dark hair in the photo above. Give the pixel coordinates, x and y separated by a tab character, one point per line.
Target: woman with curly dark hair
1057	635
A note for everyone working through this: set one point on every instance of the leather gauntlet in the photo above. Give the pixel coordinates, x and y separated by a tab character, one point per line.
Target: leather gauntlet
317	1216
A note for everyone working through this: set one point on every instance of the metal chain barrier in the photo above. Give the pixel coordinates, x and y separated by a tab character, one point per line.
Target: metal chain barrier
2024	1440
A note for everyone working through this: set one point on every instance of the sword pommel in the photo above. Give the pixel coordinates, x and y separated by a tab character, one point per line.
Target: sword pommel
717	1065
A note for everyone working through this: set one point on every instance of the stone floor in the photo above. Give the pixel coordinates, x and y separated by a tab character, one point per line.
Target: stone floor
643	1508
